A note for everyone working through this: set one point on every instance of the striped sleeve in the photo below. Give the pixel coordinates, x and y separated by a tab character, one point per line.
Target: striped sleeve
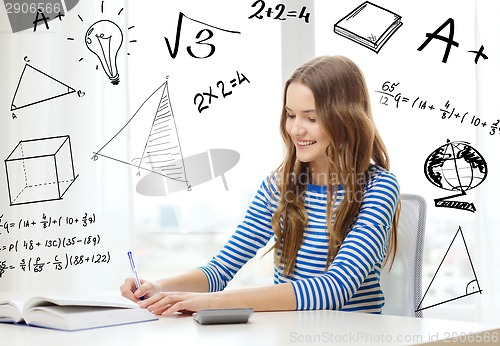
363	249
253	233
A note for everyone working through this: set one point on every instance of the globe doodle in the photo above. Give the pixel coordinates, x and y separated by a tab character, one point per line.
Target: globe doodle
455	166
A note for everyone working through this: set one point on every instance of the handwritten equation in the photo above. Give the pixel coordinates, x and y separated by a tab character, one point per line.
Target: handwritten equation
47	248
46	222
55	242
225	91
279	12
203	36
389	95
59	262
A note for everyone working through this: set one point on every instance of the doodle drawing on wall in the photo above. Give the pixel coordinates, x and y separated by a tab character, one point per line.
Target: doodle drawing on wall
369	25
154	139
35	87
455	166
467	282
104	38
40	170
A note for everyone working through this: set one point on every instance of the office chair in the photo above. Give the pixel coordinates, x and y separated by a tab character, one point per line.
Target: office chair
402	284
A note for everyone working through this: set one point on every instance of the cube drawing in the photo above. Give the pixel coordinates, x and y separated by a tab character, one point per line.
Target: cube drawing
40	170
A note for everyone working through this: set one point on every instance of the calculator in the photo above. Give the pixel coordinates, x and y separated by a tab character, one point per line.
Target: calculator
223	316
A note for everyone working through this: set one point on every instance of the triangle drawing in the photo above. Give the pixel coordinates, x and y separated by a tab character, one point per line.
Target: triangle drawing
35	87
152	140
466	282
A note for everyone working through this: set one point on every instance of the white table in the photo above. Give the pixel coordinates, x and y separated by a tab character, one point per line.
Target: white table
265	328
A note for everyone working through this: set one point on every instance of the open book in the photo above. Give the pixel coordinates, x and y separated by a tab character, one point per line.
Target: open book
73	312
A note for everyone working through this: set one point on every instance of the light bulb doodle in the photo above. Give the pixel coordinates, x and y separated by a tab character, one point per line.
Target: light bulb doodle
104	38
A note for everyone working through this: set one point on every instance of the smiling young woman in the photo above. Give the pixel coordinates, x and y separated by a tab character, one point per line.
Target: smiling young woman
331	207
306	132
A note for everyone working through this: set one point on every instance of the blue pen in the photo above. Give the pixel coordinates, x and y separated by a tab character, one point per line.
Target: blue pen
134	270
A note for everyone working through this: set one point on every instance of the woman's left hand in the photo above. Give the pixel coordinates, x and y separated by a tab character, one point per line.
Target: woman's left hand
168	303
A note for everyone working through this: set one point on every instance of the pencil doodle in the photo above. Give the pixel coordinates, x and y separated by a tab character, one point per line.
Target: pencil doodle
35	86
455	166
40	170
369	25
450	42
34	239
471	286
390	96
155	137
281	14
40	17
58	262
201	41
225	91
104	38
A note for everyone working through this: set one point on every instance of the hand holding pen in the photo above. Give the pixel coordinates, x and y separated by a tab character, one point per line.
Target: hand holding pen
135	289
134	271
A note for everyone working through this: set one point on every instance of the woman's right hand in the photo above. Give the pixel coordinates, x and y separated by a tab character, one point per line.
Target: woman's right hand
147	289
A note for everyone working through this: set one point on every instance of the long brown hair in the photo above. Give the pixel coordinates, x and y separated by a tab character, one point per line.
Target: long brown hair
343	110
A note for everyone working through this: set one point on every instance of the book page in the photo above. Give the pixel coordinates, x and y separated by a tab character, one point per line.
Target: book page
81	300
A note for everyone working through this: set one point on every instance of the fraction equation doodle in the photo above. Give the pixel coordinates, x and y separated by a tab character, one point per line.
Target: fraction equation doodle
47	221
446	111
224	91
65	261
55	242
278	12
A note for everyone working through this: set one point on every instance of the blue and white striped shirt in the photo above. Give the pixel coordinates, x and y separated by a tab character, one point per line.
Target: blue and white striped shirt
351	282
